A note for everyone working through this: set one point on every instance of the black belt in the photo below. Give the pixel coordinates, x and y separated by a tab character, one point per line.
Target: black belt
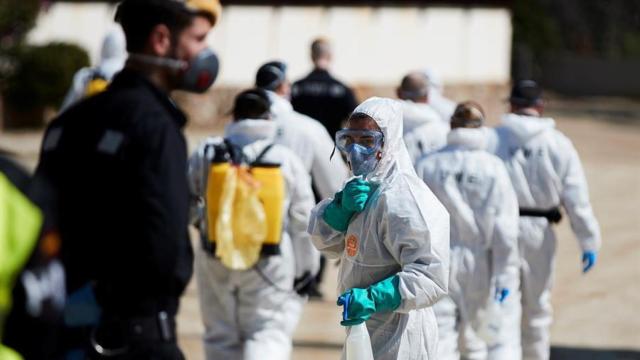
267	249
161	327
553	215
113	336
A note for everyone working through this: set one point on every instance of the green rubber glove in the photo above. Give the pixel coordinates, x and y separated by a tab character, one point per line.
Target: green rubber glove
360	304
336	215
355	195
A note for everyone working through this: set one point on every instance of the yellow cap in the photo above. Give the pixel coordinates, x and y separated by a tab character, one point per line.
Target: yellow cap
210	8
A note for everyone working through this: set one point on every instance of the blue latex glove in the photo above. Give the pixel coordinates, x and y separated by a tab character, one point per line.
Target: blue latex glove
588	260
360	304
336	215
502	294
355	195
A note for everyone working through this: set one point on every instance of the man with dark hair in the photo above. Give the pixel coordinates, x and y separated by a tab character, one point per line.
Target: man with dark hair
320	95
306	137
118	162
302	134
546	173
252	104
475	188
424	131
250	307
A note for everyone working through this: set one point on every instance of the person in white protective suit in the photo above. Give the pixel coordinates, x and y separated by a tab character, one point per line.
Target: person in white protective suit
391	235
251	314
308	139
305	136
91	80
475	188
442	105
546	173
424	131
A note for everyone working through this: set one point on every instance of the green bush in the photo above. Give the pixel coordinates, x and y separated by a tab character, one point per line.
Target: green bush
44	75
17	17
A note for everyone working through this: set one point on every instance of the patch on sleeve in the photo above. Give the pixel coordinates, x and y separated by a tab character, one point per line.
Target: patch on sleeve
110	142
52	139
352	245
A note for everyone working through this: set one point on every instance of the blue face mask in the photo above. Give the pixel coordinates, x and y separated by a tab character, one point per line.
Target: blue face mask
362	160
361	147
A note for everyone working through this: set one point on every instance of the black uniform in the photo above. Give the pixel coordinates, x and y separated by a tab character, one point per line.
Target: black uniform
323	98
118	161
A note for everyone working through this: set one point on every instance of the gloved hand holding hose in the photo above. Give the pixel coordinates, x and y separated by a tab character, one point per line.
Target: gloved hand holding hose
346	203
360	304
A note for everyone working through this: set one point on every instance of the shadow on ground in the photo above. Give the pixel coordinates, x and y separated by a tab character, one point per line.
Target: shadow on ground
317	345
568	353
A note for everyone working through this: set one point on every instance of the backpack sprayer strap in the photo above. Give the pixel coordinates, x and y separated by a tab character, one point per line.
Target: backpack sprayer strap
235	154
263	153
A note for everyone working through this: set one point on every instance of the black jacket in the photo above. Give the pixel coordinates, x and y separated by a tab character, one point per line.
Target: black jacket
118	161
323	98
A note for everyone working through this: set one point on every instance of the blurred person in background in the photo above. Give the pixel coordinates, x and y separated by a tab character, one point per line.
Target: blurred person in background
476	189
547	174
391	235
90	81
424	131
441	104
32	279
250	307
120	178
320	95
307	138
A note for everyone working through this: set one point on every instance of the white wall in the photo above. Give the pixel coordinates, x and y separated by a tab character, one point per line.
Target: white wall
373	46
82	24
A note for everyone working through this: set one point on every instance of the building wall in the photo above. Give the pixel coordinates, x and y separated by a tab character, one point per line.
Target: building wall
373	46
81	23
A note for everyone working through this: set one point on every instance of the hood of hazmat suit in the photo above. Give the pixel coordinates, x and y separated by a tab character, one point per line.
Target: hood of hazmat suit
113	54
423	130
442	105
403	231
112	59
475	188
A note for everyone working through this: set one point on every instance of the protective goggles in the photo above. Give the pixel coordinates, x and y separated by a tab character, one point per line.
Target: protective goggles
370	140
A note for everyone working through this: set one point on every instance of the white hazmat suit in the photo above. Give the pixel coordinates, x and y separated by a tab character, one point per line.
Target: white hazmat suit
475	188
403	230
252	314
546	172
423	130
112	58
309	139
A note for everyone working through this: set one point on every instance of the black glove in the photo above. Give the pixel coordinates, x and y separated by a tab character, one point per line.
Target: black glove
304	285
